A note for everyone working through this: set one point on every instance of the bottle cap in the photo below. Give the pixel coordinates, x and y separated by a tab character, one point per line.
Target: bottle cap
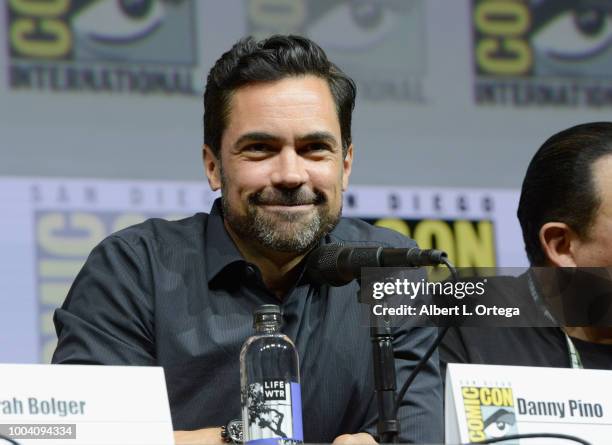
267	313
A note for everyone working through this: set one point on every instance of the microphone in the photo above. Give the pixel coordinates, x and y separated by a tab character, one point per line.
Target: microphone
338	264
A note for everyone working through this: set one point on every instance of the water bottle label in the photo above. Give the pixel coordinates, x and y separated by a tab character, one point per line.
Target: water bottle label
274	413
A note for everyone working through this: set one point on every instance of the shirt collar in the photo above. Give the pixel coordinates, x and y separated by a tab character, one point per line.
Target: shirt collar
221	251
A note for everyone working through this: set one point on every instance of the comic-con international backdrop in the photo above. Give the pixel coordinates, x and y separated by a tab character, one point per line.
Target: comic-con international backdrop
100	120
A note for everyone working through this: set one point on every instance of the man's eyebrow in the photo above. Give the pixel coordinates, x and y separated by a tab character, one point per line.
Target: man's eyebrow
260	136
323	136
256	136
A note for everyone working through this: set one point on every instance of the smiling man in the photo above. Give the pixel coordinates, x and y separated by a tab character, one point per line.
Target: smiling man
281	170
277	143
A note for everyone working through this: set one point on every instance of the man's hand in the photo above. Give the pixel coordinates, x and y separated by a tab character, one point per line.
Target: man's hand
205	436
355	439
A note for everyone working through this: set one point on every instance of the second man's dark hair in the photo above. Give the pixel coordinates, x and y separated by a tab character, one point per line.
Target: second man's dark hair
559	185
251	61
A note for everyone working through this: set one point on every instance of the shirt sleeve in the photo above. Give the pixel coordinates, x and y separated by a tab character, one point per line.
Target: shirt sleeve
420	412
107	317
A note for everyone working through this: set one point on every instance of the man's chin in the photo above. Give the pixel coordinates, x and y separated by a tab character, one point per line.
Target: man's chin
282	228
289	224
288	214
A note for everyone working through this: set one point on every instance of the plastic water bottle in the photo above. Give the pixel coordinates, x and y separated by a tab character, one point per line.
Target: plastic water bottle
270	383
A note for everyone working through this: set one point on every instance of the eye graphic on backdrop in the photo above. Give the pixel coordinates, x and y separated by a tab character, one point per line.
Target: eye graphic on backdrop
576	34
499	424
357	24
119	21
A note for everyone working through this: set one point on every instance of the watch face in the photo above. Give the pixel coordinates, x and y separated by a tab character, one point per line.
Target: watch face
234	430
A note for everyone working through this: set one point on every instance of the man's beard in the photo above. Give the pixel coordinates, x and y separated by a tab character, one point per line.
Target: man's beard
279	230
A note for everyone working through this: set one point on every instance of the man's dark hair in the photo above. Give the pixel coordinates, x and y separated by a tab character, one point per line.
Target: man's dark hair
251	61
559	185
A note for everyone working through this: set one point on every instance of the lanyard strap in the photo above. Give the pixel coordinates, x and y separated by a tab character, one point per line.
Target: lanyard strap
574	355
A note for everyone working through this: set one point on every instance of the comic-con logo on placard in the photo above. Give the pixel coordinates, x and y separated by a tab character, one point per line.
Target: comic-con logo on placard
489	412
543	52
379	43
141	46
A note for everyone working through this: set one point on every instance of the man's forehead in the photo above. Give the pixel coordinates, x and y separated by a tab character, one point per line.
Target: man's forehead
297	100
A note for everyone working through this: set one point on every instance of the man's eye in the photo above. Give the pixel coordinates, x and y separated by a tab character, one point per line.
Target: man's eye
257	148
316	146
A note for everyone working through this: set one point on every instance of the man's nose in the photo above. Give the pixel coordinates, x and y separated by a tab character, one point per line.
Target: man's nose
290	170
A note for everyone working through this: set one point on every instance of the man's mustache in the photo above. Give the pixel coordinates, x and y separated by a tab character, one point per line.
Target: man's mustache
287	197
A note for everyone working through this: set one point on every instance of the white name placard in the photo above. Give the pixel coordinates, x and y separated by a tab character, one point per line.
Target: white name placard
484	401
79	404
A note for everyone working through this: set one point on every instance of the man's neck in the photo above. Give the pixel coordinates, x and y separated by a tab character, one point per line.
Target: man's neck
586	333
591	334
279	270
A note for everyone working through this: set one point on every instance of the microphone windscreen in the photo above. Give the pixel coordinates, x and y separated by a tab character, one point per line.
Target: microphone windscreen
322	265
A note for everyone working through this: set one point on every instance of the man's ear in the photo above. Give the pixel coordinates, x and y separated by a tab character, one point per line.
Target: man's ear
212	166
347	166
558	241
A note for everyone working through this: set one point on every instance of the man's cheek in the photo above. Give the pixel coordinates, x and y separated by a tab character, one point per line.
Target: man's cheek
330	185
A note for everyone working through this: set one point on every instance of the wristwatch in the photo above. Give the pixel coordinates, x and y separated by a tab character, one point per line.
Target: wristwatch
232	432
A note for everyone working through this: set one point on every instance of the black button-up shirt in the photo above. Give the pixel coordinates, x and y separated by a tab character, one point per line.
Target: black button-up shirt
180	295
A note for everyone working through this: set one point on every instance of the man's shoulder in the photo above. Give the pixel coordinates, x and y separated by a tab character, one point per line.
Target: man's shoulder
357	231
158	232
